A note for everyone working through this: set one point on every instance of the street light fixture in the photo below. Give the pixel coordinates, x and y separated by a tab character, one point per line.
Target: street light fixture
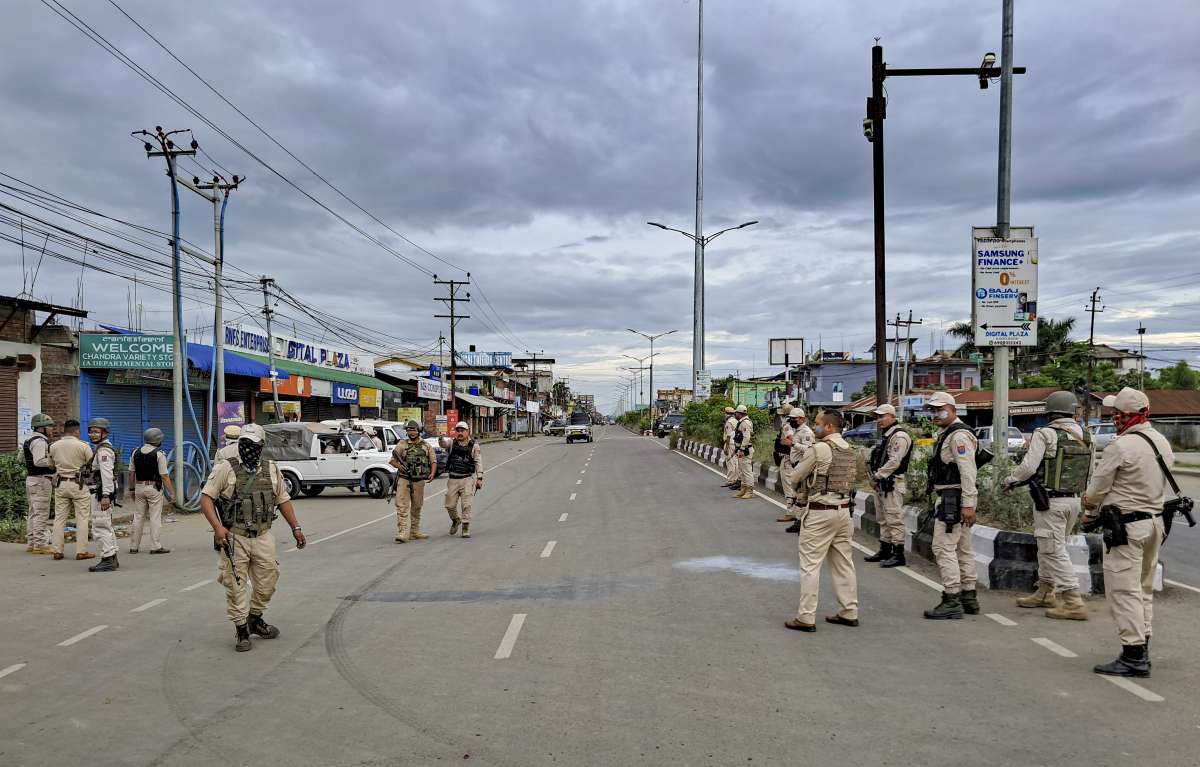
641	361
651	339
698	296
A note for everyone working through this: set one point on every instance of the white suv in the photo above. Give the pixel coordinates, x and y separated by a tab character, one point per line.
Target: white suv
579	427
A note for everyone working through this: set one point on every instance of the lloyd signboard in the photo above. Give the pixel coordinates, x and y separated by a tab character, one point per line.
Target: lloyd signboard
126	352
311	353
344	394
1004	286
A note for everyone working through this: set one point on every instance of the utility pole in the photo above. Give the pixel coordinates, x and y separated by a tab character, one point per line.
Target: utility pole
907	354
160	144
441	375
533	387
452	287
698	235
1087	398
268	312
876	112
1142	354
894	373
1003	221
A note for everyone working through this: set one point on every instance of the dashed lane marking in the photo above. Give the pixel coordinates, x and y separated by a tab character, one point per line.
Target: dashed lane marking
197	585
510	636
14	668
579	481
1054	647
583	471
1177	584
1136	689
81	636
549	548
562	517
573	496
1002	619
148	605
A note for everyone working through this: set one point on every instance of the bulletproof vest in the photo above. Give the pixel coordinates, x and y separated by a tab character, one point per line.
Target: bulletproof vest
839	477
92	469
416	461
252	506
145	467
460	463
879	453
1066	470
27	449
940	472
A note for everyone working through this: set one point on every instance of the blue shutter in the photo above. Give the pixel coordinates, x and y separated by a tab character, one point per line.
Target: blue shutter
121	405
160	413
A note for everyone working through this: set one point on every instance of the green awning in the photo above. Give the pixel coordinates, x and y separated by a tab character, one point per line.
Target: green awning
328	374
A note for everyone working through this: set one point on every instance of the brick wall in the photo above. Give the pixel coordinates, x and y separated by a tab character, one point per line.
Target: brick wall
18	327
60	390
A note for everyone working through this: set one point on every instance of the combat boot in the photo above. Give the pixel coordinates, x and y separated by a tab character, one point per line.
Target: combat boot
85	555
455	523
745	495
950	608
466	529
885	552
730	484
897	559
970	602
735	487
1133	661
243	638
1043	596
259	627
1069	608
105	565
416	535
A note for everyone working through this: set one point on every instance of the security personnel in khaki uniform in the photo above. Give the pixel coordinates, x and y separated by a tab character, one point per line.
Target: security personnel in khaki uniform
887	466
783	451
71	458
1129	478
38	484
1058	459
232	433
415	464
801	441
148	478
828	526
104	495
464	470
952	476
743	447
732	473
248	488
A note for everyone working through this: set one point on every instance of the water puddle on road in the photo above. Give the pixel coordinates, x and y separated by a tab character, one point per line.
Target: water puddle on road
751	568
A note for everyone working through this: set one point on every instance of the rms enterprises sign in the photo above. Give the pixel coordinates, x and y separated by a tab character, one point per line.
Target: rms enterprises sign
1004	287
255	341
134	352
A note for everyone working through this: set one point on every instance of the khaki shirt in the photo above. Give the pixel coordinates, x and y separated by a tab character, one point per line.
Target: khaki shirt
223	478
1128	474
227	452
39	448
960	449
802	441
398	458
816	463
730	427
106	462
897	446
69	454
446	443
147	449
1043	442
745	427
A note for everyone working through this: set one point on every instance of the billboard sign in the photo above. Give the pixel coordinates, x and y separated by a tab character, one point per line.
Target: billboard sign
344	394
1004	287
786	351
703	385
126	351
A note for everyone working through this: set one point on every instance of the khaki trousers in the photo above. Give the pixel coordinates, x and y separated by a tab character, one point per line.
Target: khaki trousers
746	468
785	478
410	499
732	472
147	502
955	560
102	529
68	496
1051	528
38	489
460	490
258	571
889	512
1129	580
827	532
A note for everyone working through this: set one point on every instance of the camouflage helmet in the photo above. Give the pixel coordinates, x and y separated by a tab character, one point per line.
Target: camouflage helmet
1062	402
412	425
40	420
153	436
98	423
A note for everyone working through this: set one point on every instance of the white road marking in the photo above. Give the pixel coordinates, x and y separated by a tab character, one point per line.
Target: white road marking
573	496
1003	620
583	471
579	481
1170	582
549	548
919	578
562	517
1053	647
148	605
510	636
195	586
81	636
1125	684
14	668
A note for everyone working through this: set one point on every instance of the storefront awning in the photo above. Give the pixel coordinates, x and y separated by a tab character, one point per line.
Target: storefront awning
479	401
329	374
201	357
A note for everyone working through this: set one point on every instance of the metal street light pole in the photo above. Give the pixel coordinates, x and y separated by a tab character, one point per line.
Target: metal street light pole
697	236
651	339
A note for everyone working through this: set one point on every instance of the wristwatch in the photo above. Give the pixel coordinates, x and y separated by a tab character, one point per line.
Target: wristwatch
296	529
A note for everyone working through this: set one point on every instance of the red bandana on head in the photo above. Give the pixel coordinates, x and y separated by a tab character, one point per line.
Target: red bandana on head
1124	421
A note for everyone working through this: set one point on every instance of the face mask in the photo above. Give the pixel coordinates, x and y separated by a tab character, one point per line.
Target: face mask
249	452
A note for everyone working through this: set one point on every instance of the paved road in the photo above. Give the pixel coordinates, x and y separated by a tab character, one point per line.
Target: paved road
1181	555
615	607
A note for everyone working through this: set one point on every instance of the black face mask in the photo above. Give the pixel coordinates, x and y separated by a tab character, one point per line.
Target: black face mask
249	452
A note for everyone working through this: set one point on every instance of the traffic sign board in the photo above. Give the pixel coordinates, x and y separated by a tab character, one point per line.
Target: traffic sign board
1004	287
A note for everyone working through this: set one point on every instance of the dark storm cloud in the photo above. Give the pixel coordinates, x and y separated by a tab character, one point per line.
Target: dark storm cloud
528	142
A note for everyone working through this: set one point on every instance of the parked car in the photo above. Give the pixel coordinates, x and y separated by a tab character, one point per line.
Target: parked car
867	434
671	422
555	428
314	456
1016	440
392	432
1102	434
580	427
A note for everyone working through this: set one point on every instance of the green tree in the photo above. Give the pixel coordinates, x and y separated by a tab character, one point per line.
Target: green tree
1181	375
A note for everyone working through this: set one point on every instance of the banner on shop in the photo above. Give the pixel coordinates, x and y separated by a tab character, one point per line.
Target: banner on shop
230	414
126	352
427	388
368	397
344	394
406	414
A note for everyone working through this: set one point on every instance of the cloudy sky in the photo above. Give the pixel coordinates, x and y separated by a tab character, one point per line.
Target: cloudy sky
528	142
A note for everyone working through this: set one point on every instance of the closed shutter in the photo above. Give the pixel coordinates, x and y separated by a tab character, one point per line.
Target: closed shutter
121	405
160	413
8	411
317	409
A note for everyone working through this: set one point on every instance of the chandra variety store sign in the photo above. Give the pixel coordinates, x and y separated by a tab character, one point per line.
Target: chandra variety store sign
126	352
310	353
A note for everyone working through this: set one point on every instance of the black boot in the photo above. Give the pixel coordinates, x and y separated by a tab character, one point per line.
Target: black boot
793	528
885	551
1134	661
897	559
950	608
105	565
243	638
970	602
259	627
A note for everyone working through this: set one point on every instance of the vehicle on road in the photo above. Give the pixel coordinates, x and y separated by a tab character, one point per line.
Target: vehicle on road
314	456
866	434
579	428
1016	440
1102	434
555	428
669	423
391	432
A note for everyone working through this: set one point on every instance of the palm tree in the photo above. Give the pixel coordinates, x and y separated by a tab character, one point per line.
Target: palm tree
965	332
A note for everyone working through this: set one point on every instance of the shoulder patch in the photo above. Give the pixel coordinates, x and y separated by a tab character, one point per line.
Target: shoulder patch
962	449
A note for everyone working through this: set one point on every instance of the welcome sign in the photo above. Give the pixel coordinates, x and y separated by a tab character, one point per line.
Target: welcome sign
128	352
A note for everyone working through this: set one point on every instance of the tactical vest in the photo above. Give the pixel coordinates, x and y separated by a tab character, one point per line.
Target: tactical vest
145	467
461	461
252	506
939	472
92	469
839	477
415	462
1066	471
879	454
30	468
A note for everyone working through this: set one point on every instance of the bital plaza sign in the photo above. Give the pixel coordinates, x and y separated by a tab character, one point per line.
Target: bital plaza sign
310	353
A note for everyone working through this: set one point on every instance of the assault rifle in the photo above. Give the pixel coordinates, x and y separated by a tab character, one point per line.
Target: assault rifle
1037	491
